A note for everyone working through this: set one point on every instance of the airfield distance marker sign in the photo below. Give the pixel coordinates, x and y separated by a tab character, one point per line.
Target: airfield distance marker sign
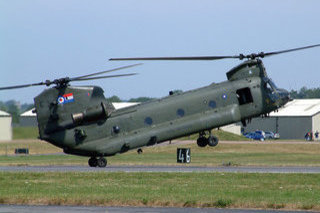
183	155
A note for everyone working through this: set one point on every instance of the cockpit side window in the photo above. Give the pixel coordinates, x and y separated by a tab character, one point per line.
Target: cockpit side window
244	96
269	85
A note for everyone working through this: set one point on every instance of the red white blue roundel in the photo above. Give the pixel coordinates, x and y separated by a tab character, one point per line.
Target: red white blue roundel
66	98
60	100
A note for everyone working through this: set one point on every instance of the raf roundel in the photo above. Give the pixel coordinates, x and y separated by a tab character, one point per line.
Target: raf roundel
60	100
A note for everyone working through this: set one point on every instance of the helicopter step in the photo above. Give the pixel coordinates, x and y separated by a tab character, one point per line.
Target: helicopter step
100	162
203	141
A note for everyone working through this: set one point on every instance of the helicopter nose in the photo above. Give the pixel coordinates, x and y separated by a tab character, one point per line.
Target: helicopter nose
284	97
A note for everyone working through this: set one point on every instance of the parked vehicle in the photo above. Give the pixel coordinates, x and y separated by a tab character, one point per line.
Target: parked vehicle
271	135
261	133
257	135
249	135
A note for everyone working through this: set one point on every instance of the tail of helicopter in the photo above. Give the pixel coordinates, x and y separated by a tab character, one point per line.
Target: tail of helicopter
63	108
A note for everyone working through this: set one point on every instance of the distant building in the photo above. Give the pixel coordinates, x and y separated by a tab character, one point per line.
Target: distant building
232	128
119	105
5	126
292	121
28	119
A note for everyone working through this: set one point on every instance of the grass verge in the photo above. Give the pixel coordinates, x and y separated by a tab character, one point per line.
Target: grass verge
25	133
275	191
223	155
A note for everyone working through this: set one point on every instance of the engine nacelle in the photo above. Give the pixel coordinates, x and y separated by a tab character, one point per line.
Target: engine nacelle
91	114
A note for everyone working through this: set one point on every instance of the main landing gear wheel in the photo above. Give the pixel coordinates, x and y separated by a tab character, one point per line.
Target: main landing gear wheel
93	162
100	162
213	141
203	141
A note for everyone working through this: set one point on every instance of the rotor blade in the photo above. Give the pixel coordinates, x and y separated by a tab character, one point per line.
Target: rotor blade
240	56
22	86
108	76
176	58
290	50
102	72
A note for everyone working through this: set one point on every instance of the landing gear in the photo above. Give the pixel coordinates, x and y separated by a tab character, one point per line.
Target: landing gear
100	162
213	140
203	141
139	151
93	162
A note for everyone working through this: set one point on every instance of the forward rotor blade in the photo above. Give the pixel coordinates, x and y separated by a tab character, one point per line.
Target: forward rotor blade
22	86
240	56
102	72
108	76
290	50
175	58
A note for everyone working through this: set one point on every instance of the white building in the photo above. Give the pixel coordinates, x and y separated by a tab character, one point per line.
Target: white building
5	126
28	118
292	121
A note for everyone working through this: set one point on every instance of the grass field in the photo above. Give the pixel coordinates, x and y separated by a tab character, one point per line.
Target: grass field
249	154
222	190
25	133
276	191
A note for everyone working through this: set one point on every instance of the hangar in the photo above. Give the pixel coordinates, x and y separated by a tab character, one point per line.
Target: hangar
28	118
5	126
292	121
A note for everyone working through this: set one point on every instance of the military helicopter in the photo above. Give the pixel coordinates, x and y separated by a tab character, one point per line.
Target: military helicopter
82	122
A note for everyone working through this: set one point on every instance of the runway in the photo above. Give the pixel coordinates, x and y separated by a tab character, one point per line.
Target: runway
93	209
229	169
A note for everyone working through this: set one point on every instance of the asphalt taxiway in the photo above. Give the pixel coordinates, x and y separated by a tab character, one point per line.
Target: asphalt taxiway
232	169
92	209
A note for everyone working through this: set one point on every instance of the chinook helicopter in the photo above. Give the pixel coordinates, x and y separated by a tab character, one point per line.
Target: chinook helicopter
82	122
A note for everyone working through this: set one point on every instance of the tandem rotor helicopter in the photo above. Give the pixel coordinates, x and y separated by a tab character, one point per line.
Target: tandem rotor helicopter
82	122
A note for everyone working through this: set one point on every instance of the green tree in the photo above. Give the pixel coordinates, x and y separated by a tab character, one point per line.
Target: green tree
304	92
140	99
114	99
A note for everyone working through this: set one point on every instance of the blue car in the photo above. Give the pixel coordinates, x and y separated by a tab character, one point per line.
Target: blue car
255	135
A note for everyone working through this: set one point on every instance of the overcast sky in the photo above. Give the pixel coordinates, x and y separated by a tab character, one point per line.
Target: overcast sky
42	40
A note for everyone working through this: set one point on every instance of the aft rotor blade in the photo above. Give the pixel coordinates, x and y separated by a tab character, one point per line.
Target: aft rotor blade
22	86
102	72
175	58
108	76
290	50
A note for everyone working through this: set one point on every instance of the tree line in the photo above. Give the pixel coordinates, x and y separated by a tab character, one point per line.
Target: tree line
304	93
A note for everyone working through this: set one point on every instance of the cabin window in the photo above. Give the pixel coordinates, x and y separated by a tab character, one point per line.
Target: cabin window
116	129
148	121
244	96
212	104
180	112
